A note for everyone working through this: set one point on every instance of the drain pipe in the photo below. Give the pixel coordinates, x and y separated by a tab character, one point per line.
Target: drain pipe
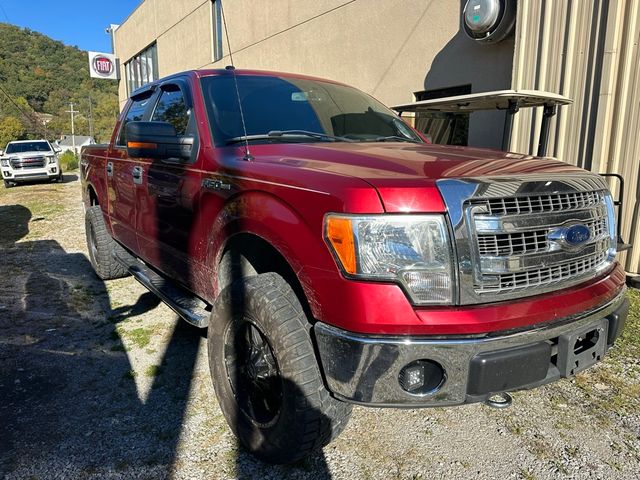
499	400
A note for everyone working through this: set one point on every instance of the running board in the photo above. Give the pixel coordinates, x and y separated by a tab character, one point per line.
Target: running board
188	306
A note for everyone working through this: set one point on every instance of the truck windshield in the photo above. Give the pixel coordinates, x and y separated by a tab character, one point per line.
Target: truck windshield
278	109
23	147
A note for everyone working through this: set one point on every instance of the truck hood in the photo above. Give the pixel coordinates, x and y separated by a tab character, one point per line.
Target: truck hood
403	172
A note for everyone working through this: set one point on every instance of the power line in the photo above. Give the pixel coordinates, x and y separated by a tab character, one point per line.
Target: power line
34	123
5	13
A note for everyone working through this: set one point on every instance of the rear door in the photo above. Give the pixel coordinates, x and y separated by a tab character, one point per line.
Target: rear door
120	172
170	190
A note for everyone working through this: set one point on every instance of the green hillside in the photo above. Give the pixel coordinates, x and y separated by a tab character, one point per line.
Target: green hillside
42	75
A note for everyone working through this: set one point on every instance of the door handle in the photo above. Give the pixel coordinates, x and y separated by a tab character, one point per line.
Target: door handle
136	173
110	169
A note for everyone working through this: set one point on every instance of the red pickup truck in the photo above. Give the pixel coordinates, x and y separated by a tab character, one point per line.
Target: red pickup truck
338	258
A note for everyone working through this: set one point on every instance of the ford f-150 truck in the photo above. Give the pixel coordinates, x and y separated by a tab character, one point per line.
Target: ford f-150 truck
338	258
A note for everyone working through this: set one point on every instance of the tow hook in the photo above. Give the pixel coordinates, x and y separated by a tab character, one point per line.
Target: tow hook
499	400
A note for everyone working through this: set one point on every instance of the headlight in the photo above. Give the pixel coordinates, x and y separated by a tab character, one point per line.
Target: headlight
4	162
51	158
412	250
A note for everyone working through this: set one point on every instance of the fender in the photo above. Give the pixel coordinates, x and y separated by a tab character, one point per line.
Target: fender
297	238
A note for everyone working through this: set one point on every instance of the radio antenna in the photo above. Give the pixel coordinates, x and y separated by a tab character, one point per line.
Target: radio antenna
247	154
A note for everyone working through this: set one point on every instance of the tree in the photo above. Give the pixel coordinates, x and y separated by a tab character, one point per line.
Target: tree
11	129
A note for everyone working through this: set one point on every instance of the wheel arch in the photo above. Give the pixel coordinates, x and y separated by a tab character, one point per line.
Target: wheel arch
246	254
92	196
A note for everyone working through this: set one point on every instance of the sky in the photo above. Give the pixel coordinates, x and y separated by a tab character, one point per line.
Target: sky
78	23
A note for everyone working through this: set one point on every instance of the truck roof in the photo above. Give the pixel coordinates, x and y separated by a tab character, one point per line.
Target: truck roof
27	141
224	71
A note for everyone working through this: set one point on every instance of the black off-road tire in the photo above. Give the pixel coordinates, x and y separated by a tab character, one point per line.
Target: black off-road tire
308	417
101	246
7	184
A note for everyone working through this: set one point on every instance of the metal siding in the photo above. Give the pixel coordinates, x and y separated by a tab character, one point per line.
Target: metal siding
587	51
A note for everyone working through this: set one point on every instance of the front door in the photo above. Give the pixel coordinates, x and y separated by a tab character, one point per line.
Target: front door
170	192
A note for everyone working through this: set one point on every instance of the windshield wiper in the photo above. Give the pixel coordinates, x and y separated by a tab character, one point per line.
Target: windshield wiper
305	133
390	138
274	134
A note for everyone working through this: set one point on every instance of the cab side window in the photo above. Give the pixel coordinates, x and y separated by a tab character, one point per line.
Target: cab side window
134	114
172	108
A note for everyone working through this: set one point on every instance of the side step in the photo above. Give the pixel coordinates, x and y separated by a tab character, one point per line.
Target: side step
184	303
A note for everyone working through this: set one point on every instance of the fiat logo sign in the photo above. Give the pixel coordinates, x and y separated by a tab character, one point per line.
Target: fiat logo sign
103	65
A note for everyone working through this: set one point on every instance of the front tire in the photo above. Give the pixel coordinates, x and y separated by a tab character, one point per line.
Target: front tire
265	372
7	184
101	246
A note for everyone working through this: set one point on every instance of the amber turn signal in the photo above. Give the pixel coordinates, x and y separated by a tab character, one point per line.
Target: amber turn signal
141	145
339	232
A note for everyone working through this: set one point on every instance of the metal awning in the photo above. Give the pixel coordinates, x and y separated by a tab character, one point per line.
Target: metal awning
509	100
496	100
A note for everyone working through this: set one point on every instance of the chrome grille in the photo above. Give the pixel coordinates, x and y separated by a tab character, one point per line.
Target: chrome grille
509	233
30	162
512	243
511	282
555	202
535	241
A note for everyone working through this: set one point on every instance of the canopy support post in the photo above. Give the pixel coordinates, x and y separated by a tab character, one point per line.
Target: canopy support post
548	112
508	124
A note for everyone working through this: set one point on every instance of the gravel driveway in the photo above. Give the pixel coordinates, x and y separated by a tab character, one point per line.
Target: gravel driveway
100	380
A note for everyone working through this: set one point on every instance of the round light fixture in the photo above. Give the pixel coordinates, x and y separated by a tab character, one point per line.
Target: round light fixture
489	21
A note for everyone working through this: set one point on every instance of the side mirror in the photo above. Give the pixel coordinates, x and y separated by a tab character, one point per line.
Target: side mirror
156	140
1	153
57	149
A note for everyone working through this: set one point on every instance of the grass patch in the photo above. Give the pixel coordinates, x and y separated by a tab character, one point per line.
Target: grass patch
613	386
628	345
140	337
44	208
153	371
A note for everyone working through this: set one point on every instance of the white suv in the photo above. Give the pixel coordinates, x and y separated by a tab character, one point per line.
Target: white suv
27	160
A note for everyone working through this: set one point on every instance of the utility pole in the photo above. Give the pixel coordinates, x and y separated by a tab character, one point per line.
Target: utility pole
73	127
90	119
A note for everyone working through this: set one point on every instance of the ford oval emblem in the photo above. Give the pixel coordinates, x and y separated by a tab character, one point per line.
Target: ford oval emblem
576	235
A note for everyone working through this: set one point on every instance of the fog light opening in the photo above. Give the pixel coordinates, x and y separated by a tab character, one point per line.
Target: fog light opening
422	377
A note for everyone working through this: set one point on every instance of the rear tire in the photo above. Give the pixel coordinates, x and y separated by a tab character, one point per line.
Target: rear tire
101	246
265	372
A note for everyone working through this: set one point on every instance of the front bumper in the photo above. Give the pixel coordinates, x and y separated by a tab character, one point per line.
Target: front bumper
27	174
366	369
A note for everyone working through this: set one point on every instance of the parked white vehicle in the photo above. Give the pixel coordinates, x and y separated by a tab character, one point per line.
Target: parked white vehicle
27	160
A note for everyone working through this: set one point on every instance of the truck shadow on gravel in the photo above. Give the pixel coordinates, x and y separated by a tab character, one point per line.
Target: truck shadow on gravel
69	403
70	406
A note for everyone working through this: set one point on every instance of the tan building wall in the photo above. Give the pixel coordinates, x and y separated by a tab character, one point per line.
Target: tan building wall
587	51
388	49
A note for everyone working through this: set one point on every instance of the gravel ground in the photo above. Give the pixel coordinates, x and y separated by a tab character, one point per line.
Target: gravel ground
100	380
